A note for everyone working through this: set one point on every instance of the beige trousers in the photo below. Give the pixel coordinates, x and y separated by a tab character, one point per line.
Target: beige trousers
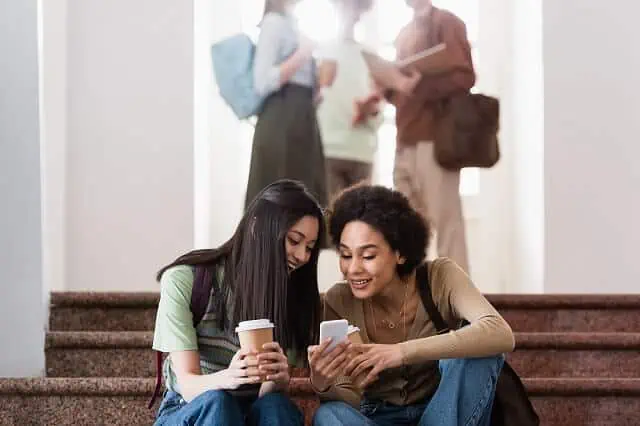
342	174
434	192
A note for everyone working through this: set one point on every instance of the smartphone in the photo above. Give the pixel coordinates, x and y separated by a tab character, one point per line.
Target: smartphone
336	329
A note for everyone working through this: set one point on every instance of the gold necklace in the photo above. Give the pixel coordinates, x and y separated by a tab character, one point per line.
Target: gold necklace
390	324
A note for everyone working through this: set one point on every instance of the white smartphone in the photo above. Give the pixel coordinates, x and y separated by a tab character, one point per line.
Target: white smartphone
336	329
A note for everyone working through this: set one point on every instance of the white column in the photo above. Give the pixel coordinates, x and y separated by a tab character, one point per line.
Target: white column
54	141
130	152
22	305
523	121
222	142
591	155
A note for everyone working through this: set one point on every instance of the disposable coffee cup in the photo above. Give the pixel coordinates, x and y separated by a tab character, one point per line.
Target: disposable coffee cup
253	335
353	334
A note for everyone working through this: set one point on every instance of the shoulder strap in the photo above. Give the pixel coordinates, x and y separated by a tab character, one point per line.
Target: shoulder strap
424	286
199	302
200	293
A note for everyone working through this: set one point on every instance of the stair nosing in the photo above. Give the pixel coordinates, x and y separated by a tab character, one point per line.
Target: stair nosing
565	301
90	386
524	340
578	340
501	301
98	339
95	299
536	387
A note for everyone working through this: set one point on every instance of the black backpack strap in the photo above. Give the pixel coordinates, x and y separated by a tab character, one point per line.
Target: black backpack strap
156	390
199	302
424	287
200	293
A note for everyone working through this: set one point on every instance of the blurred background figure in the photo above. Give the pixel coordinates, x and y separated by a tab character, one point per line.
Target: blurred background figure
286	142
349	112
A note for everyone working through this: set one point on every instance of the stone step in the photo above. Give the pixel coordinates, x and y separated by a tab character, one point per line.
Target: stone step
575	355
99	354
93	311
569	312
122	401
128	354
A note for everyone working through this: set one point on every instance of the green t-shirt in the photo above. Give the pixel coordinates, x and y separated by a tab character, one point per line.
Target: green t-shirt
340	138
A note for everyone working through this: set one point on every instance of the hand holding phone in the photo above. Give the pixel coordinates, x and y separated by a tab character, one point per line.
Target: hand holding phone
336	330
329	359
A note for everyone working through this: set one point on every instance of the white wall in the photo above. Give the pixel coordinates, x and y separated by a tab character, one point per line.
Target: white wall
591	115
129	181
22	308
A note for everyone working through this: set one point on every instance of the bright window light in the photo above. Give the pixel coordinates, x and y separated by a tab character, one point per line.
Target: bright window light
317	20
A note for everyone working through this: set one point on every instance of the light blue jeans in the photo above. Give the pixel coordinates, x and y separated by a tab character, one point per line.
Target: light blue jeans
221	408
464	398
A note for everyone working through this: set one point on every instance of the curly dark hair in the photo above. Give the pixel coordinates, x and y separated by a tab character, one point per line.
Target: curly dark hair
388	212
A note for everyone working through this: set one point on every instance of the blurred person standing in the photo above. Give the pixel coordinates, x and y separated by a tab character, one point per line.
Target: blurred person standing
349	112
432	190
286	141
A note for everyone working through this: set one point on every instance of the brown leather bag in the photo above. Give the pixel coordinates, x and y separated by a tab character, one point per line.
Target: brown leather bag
467	131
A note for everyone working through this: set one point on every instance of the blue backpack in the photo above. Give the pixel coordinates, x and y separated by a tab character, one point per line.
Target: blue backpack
233	67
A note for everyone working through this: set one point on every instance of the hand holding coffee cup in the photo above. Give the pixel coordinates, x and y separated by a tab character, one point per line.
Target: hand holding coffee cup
254	335
241	371
273	364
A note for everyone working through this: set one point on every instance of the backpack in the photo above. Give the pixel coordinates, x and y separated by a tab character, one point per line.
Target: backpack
233	60
199	302
511	406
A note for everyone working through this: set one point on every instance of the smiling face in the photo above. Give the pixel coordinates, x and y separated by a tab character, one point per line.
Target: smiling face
367	261
300	240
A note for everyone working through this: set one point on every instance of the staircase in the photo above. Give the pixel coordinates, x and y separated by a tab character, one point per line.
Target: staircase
578	355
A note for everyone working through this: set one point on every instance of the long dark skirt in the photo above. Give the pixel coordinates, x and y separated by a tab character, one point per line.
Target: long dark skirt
287	144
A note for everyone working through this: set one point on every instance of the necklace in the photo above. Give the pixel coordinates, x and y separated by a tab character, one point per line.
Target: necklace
388	323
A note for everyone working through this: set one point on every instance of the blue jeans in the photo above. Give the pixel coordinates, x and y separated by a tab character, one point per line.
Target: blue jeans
464	398
221	408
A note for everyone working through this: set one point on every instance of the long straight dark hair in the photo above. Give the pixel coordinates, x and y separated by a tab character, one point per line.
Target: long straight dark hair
256	282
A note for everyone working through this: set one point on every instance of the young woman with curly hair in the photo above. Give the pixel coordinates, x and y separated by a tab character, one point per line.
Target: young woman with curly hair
405	372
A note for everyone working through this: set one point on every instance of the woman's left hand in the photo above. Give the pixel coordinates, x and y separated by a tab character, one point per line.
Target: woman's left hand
274	364
373	358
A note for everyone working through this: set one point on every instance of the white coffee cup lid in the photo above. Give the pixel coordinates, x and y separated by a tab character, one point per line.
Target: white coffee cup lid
254	325
352	329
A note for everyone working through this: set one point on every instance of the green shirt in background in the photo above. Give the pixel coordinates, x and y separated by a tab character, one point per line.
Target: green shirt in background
335	113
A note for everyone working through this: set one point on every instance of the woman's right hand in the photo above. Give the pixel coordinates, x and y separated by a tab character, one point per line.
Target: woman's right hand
243	370
326	367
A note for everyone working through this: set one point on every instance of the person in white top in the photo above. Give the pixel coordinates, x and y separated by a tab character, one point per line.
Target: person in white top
349	112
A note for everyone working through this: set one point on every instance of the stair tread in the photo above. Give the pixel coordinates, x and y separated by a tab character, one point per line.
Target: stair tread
564	301
500	301
99	339
524	340
104	299
144	386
